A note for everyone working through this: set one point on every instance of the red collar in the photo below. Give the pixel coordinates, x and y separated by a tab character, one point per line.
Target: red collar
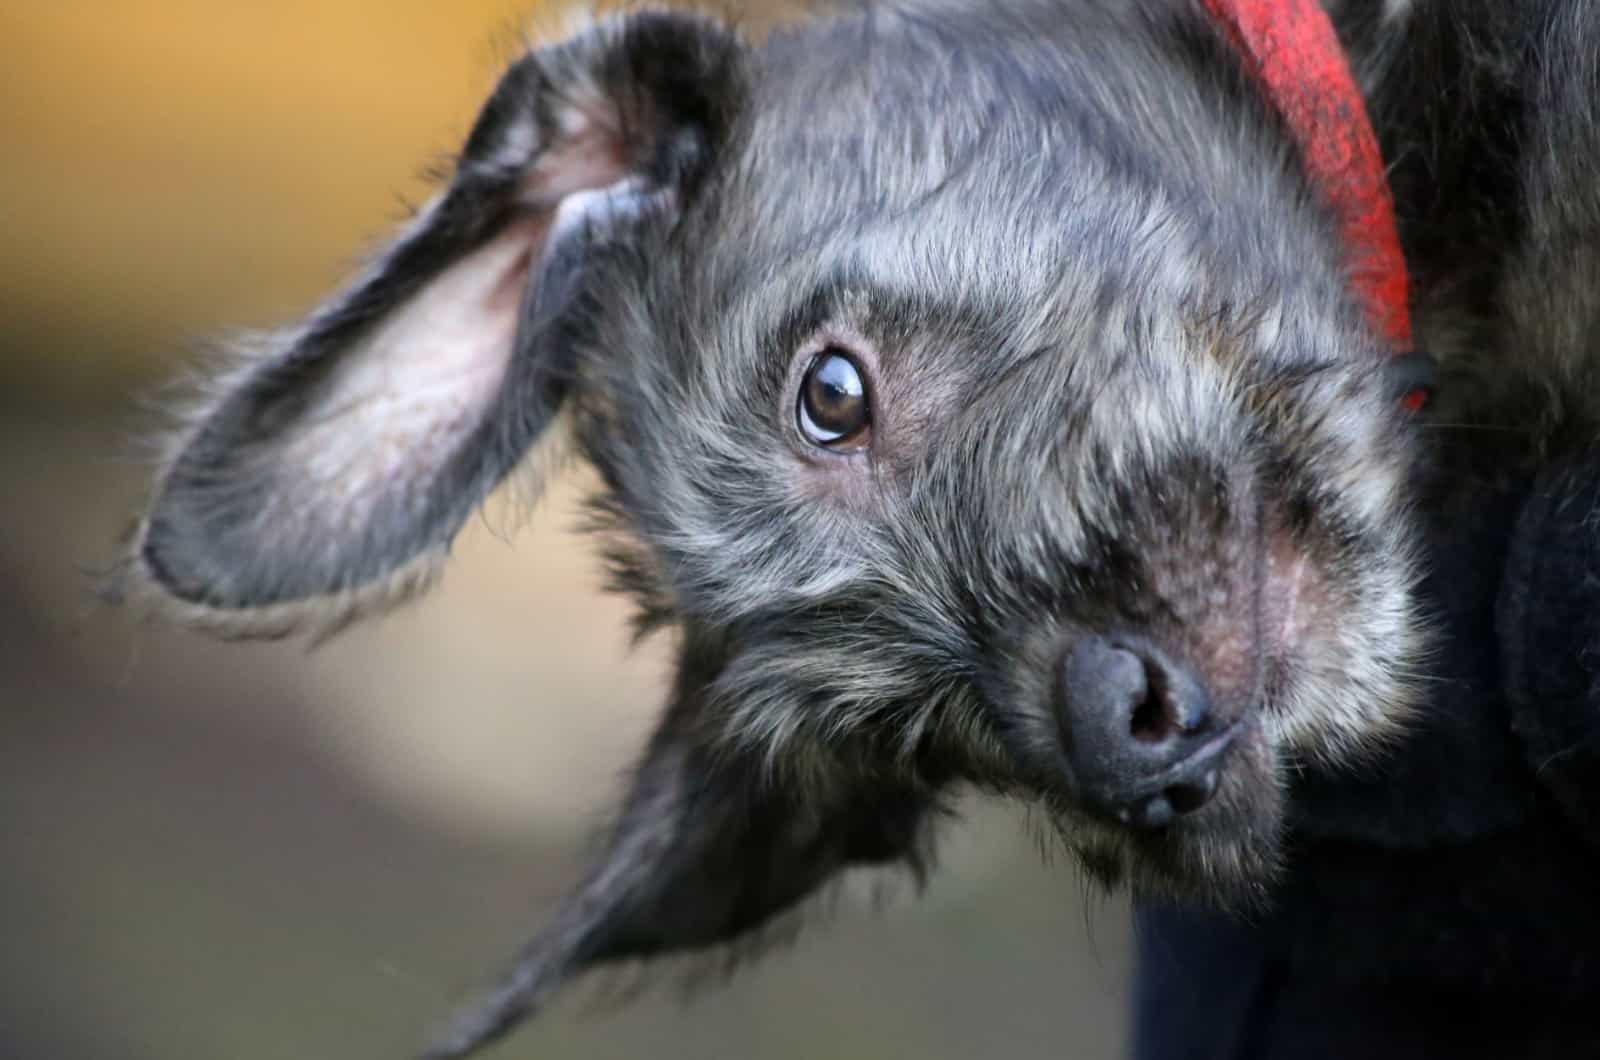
1290	48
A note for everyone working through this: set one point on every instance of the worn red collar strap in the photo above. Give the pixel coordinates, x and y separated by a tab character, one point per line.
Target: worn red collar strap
1289	46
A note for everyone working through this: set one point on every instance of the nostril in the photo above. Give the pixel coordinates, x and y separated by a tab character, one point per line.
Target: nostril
1185	798
1189	797
1155	812
1102	683
1138	733
1152	720
1171	703
1111	689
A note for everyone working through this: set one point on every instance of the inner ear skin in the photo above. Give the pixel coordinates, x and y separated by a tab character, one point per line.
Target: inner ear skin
332	466
332	470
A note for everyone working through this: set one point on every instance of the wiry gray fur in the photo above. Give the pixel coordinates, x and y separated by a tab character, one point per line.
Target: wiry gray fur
1118	383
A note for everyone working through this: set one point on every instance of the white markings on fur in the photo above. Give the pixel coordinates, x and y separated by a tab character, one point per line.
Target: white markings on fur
588	152
1348	645
520	143
1293	584
1395	10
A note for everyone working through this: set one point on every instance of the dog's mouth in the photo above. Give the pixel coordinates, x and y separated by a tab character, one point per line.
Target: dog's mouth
1158	800
1206	830
1225	848
1172	780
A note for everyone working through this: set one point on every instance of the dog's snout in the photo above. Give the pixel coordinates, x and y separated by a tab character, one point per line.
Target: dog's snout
1138	730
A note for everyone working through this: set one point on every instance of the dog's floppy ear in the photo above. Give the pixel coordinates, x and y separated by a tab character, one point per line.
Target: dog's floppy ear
707	849
330	471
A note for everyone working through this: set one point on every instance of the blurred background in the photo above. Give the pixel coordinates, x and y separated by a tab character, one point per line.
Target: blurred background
252	852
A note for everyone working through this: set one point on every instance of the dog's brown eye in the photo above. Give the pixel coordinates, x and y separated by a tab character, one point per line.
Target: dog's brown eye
834	411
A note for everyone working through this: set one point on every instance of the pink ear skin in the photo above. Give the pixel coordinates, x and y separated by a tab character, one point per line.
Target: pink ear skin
325	474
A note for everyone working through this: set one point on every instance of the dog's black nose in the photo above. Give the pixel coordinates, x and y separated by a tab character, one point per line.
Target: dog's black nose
1138	730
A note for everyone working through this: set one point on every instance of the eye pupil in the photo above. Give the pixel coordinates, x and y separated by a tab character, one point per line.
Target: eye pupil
834	411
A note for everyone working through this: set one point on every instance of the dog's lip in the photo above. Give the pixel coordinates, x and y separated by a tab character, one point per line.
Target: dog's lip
1208	757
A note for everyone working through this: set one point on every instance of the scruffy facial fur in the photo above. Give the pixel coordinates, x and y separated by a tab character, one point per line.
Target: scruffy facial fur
1118	385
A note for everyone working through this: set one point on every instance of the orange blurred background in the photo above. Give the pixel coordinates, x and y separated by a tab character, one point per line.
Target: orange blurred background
250	852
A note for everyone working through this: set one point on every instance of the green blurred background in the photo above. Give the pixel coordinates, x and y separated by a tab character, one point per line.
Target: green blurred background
252	852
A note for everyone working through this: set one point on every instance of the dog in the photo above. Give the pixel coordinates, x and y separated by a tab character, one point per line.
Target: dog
981	399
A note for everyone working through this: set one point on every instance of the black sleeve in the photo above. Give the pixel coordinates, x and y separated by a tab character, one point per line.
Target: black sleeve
1549	628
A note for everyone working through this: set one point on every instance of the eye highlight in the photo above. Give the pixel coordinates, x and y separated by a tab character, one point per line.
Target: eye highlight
834	411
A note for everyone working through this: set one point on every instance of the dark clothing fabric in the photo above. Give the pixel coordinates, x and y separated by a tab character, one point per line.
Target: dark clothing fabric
1444	901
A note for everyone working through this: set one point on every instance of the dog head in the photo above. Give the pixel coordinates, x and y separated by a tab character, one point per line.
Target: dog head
975	395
